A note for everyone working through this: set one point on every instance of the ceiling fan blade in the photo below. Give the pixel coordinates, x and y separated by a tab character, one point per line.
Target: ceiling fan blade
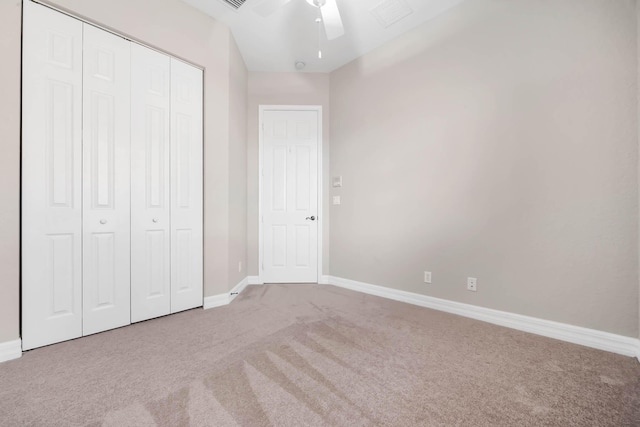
268	7
332	21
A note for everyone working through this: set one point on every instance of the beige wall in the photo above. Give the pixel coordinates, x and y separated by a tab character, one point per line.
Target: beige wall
499	141
238	79
174	27
283	89
10	18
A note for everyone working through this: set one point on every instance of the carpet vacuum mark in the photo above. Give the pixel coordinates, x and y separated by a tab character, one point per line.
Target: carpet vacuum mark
291	355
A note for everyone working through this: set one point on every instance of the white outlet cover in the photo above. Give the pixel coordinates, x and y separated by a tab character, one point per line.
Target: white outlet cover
427	277
472	284
336	200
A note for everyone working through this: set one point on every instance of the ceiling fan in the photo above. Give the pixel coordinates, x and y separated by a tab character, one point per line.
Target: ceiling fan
328	9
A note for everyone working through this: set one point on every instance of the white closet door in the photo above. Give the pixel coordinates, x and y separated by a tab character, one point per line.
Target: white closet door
106	169
150	188
51	177
186	186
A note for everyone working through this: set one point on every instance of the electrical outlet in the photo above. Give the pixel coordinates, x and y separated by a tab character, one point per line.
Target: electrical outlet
427	277
472	284
239	266
336	200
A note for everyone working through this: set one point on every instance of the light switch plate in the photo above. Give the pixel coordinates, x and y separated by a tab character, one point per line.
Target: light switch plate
336	200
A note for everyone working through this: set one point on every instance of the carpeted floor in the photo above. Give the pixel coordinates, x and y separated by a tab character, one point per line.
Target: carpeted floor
316	355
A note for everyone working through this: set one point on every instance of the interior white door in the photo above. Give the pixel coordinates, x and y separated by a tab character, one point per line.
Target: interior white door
106	168
290	197
150	184
51	177
186	186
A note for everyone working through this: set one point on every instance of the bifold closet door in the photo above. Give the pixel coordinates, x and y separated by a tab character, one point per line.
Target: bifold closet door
186	186
111	180
51	177
106	169
150	184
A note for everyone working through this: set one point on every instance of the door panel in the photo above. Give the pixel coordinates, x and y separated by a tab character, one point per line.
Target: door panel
150	206
301	246
51	177
302	167
106	182
156	244
278	178
60	270
290	196
186	187
103	274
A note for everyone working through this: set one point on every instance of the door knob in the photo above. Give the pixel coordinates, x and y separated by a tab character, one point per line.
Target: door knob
312	218
103	221
155	219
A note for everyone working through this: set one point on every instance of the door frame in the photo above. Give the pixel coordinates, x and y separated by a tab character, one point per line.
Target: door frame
320	215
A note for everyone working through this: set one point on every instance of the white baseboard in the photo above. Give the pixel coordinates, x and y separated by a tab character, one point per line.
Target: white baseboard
224	299
216	301
10	350
614	343
238	288
255	280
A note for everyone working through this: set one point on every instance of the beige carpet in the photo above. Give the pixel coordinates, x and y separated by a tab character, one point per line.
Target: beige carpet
313	355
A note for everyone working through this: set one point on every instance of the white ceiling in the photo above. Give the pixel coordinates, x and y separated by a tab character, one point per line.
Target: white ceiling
276	42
